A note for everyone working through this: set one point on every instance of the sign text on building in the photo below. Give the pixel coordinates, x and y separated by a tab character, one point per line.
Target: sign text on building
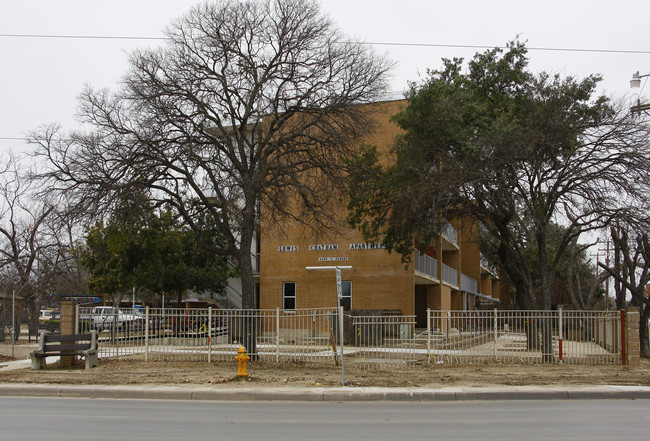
366	246
332	259
324	247
287	248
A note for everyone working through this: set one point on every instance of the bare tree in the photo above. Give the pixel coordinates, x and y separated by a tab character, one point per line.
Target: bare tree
632	271
620	290
251	104
59	269
582	288
22	221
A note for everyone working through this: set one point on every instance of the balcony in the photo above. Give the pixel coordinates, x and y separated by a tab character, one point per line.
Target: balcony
426	265
449	275
487	267
449	236
468	284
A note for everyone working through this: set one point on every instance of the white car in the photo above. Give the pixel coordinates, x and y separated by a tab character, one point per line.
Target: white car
103	318
48	314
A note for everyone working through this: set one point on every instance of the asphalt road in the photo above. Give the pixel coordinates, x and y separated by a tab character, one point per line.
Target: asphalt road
100	419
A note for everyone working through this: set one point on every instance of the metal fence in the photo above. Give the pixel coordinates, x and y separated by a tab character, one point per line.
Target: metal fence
575	337
17	323
305	335
212	334
381	341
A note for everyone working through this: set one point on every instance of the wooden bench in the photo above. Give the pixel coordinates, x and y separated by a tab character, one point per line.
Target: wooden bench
83	345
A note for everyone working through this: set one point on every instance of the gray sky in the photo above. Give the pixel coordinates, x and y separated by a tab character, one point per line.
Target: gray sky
40	78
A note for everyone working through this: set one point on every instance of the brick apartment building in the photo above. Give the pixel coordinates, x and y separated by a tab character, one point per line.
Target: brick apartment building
452	275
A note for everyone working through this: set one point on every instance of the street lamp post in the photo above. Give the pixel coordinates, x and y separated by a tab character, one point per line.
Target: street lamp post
635	83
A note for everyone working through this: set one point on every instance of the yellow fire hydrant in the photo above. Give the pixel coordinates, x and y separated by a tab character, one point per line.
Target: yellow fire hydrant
242	357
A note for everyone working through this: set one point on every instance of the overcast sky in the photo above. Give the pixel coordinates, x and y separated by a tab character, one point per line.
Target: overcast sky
40	78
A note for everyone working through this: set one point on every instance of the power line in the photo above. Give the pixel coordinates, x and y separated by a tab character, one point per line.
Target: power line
530	48
81	37
373	43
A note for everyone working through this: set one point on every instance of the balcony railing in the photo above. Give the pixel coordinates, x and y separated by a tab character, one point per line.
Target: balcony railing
449	232
485	263
426	264
468	284
449	275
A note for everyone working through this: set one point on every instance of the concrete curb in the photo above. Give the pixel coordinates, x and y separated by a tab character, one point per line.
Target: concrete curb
338	394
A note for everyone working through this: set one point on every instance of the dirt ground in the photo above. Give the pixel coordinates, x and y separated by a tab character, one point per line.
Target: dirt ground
132	370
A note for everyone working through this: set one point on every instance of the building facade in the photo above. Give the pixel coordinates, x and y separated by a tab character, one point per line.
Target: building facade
450	274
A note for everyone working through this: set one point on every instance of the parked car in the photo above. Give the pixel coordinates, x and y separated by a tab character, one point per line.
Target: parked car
196	323
49	314
105	317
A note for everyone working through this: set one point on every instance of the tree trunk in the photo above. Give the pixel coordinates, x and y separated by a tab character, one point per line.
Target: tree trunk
545	275
547	340
32	317
249	319
532	334
520	280
644	339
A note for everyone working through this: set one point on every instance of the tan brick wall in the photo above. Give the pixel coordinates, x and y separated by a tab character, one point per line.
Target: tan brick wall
379	279
440	297
457	300
470	251
633	346
68	317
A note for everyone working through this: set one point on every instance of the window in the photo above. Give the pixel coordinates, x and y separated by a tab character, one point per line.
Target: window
289	295
346	295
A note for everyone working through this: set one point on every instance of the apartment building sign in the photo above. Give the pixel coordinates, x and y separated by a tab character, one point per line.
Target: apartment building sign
367	246
324	247
287	248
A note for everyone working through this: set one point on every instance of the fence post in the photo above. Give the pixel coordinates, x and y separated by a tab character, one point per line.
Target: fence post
428	335
76	319
209	334
277	334
146	333
496	334
559	318
448	324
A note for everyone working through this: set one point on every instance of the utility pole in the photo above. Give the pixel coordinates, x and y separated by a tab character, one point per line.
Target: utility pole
607	279
597	255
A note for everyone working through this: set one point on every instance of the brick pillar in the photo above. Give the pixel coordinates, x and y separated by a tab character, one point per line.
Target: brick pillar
633	343
68	311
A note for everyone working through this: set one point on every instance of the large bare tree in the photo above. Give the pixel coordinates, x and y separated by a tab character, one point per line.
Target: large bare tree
59	268
250	104
23	242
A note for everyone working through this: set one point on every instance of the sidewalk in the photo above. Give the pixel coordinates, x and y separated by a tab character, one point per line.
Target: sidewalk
246	392
330	394
18	364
